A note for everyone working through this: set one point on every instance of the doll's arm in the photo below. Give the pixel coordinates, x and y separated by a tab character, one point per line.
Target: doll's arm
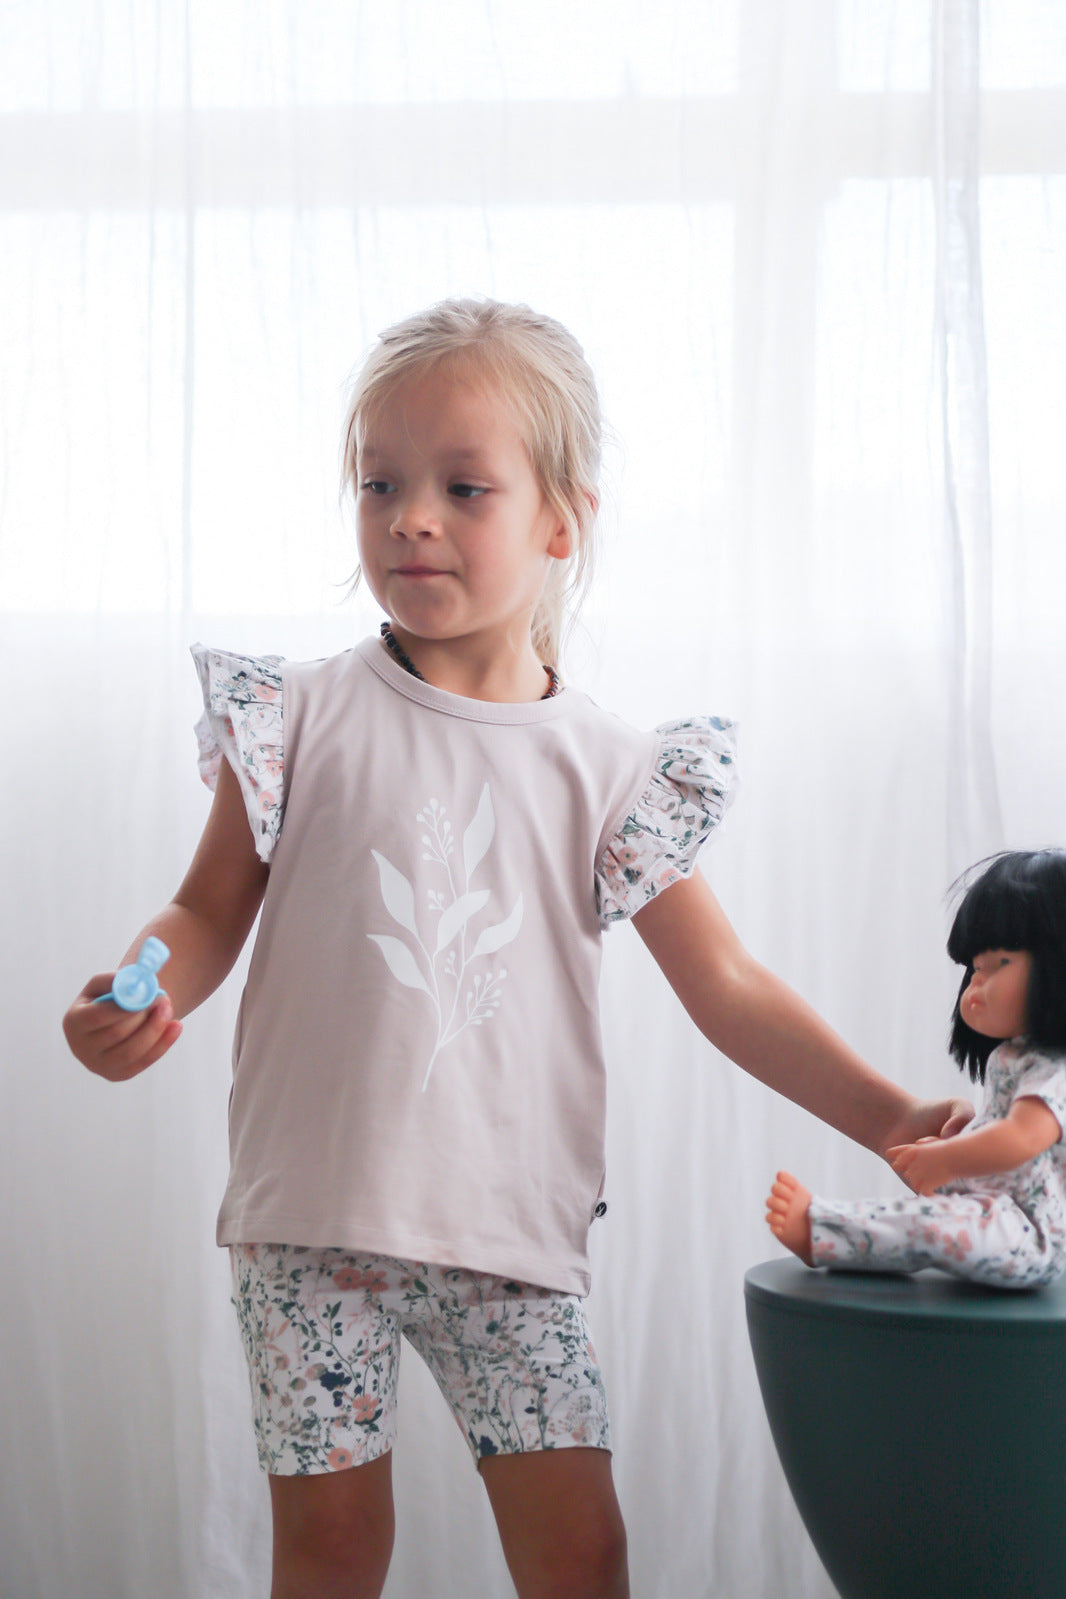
1029	1127
204	927
759	1022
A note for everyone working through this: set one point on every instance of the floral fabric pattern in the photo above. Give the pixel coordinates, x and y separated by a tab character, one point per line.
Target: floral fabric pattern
322	1328
1007	1230
242	722
691	789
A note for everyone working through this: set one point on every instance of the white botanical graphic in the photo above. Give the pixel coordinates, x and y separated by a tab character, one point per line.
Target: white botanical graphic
441	966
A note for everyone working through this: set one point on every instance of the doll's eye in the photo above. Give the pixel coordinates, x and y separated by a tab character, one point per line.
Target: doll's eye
992	960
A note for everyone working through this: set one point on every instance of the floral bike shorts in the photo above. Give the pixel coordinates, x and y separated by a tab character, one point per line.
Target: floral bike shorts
322	1328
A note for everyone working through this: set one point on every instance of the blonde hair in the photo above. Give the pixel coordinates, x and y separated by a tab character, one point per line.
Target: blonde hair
541	369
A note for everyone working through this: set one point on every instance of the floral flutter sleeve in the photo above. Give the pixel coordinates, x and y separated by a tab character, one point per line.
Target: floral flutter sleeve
242	723
691	788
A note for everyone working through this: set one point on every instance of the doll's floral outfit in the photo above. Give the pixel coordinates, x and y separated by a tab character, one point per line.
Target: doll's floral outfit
1008	1230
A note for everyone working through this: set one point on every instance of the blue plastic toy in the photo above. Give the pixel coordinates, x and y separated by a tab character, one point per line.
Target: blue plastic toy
135	987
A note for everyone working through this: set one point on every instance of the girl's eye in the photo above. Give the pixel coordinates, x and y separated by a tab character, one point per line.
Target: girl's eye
376	485
466	491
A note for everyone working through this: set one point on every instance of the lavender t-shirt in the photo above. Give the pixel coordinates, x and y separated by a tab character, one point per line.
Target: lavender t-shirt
418	1069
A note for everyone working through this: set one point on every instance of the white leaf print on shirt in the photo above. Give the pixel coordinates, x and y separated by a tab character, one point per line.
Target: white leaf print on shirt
456	917
401	962
478	835
494	938
442	975
397	893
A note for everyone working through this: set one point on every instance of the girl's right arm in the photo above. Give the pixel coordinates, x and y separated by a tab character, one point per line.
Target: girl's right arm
204	927
759	1022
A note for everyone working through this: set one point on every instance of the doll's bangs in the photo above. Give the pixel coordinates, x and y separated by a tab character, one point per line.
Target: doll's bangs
1007	907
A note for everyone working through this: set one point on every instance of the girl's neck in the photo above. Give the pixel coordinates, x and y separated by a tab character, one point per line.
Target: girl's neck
506	679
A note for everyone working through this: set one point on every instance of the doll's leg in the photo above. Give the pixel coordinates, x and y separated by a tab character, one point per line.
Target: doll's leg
984	1237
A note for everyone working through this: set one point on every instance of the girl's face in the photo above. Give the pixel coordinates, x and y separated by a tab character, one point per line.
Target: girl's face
994	1002
455	534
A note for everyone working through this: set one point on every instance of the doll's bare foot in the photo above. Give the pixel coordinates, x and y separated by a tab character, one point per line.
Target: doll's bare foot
787	1215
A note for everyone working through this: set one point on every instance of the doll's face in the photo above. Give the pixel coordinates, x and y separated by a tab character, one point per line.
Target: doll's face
995	1001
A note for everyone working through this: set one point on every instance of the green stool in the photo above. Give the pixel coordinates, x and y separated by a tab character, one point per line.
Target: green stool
921	1425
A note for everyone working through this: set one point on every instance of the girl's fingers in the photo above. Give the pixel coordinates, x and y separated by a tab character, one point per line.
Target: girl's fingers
114	1043
170	1034
130	1043
962	1113
87	1025
134	1041
90	1017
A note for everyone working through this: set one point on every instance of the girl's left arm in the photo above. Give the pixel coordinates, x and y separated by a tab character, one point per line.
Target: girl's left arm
759	1022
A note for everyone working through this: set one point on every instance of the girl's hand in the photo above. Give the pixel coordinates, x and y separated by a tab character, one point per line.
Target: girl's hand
203	927
114	1043
929	1119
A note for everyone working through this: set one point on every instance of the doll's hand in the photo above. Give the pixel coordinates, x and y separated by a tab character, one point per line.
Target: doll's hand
114	1043
924	1166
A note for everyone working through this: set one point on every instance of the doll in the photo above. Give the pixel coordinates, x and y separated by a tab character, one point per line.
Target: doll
990	1203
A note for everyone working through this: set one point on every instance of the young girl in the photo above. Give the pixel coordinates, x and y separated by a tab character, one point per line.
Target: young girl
438	831
992	1202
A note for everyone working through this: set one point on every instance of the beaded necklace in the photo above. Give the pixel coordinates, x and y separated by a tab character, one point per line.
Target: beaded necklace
404	660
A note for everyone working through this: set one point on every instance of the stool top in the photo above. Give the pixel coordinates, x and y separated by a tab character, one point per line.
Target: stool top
923	1296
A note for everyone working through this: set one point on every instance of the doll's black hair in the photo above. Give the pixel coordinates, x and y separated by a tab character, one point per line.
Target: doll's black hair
1018	902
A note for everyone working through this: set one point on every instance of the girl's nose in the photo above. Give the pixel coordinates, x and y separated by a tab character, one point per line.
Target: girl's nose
415	518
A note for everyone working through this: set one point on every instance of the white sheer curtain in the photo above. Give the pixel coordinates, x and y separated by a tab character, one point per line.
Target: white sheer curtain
817	254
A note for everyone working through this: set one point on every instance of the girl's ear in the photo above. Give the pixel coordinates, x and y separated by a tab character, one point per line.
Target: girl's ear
561	544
